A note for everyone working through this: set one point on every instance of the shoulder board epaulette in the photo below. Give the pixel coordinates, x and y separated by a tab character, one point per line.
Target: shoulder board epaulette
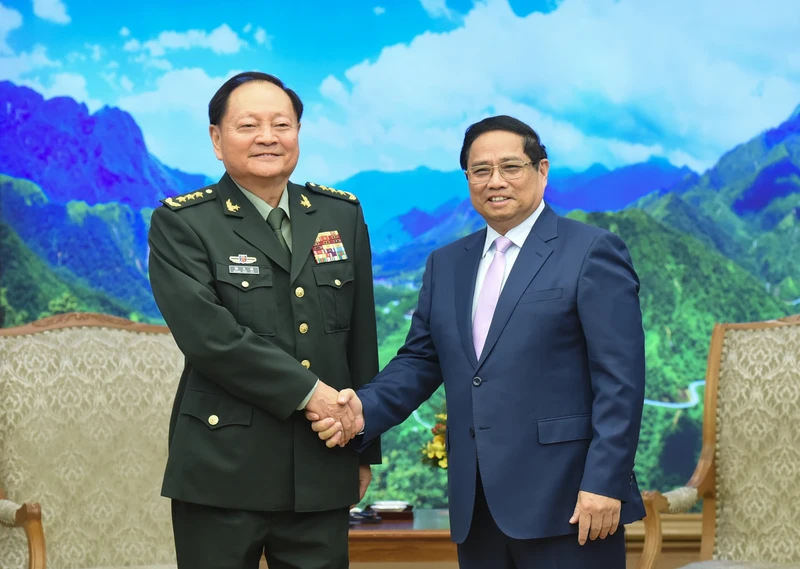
326	191
191	198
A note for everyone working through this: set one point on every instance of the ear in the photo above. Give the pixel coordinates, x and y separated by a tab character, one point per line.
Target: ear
544	168
216	140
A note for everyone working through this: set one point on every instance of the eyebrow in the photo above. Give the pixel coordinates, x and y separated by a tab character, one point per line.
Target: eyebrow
502	160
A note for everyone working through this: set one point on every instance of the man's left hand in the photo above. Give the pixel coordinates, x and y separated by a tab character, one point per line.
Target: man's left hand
597	516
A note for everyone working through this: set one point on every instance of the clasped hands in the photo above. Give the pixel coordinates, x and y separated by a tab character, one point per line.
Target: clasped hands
336	416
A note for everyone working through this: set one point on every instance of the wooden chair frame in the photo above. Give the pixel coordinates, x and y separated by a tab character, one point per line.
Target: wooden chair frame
29	515
703	481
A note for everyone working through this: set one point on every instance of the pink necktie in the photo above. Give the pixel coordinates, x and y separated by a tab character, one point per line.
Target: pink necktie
490	293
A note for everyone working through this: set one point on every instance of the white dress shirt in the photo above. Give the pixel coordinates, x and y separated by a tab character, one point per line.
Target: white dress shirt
517	235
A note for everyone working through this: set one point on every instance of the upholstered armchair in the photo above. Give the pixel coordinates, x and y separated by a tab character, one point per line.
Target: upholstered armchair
748	475
84	411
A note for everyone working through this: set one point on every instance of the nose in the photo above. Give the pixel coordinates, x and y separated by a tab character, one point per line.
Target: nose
496	180
266	135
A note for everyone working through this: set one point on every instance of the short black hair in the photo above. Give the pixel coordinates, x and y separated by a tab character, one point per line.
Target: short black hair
219	102
531	143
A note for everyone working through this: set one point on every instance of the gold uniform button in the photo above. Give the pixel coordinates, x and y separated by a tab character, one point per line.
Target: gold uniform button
299	292
209	191
303	328
213	420
245	284
337	282
306	364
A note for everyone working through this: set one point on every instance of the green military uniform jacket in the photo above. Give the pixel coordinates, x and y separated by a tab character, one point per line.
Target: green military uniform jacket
258	331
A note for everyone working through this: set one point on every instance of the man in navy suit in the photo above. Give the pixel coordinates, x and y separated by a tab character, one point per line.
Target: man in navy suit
534	326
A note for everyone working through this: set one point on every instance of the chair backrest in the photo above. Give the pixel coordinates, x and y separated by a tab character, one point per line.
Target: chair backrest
84	412
757	454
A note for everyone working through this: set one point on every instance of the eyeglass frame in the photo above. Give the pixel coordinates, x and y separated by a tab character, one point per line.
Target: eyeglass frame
533	163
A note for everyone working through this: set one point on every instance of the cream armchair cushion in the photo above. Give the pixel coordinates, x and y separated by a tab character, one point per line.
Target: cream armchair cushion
84	414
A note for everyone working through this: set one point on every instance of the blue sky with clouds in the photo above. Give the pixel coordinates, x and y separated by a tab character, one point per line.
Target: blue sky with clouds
391	85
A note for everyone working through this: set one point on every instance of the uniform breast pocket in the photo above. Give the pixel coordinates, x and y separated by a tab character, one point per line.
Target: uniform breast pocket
336	289
249	296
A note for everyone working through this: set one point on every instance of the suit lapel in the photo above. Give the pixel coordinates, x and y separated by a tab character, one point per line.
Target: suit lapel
532	256
248	223
305	227
466	273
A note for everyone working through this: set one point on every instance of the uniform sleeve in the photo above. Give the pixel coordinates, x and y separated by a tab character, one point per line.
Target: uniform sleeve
239	361
362	349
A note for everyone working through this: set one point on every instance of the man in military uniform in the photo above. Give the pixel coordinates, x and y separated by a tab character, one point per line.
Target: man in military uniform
266	286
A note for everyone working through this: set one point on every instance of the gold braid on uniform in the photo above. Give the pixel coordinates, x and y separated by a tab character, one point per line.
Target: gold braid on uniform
190	198
326	191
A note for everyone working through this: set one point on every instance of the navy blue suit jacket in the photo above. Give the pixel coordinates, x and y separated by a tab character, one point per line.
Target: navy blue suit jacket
554	403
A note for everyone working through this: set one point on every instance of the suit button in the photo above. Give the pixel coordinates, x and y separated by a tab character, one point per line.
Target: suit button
337	282
472	432
213	420
306	364
245	284
303	328
476	381
299	292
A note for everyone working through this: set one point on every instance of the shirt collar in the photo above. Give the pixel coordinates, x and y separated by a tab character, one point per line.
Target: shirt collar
517	234
263	207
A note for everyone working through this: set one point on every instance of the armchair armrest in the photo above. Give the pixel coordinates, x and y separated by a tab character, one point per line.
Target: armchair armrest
29	518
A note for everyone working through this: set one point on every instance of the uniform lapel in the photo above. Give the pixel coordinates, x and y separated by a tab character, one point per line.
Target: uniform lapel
466	273
305	227
248	223
532	256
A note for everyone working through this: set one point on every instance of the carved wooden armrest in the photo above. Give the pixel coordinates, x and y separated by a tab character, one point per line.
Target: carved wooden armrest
29	518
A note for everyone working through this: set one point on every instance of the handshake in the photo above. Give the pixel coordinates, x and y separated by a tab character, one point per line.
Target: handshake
336	416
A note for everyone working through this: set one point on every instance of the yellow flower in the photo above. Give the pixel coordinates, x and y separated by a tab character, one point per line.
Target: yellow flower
443	462
442	416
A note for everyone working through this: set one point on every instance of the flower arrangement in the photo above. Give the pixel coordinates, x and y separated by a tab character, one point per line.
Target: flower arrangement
434	453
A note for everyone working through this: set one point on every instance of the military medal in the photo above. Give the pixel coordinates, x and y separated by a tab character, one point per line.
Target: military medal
328	247
242	259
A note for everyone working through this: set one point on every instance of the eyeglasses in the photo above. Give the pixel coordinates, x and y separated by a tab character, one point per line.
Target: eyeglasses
508	170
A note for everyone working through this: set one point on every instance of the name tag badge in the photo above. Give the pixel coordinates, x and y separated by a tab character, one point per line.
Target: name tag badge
242	270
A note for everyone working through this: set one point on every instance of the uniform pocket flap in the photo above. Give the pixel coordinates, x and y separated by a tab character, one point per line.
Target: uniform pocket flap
335	274
562	429
246	280
538	295
215	411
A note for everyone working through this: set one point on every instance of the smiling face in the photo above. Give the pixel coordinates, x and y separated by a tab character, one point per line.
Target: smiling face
257	138
504	204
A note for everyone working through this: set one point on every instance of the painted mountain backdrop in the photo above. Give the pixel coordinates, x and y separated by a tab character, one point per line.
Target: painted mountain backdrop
77	191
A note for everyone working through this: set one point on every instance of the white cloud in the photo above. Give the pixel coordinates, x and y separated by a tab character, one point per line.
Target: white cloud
113	65
174	118
247	28
436	8
74	56
221	40
65	84
379	10
95	50
51	10
126	83
14	67
10	20
154	62
124	31
262	38
602	80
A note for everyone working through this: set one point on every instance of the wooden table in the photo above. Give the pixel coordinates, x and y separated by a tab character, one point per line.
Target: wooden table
427	538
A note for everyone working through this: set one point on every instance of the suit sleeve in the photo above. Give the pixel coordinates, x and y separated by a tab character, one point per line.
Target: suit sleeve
411	377
362	348
239	361
609	311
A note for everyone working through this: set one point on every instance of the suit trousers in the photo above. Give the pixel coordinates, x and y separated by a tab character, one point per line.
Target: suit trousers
487	546
217	538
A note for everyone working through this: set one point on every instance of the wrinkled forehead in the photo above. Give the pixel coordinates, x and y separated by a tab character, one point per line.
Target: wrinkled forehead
260	99
495	147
